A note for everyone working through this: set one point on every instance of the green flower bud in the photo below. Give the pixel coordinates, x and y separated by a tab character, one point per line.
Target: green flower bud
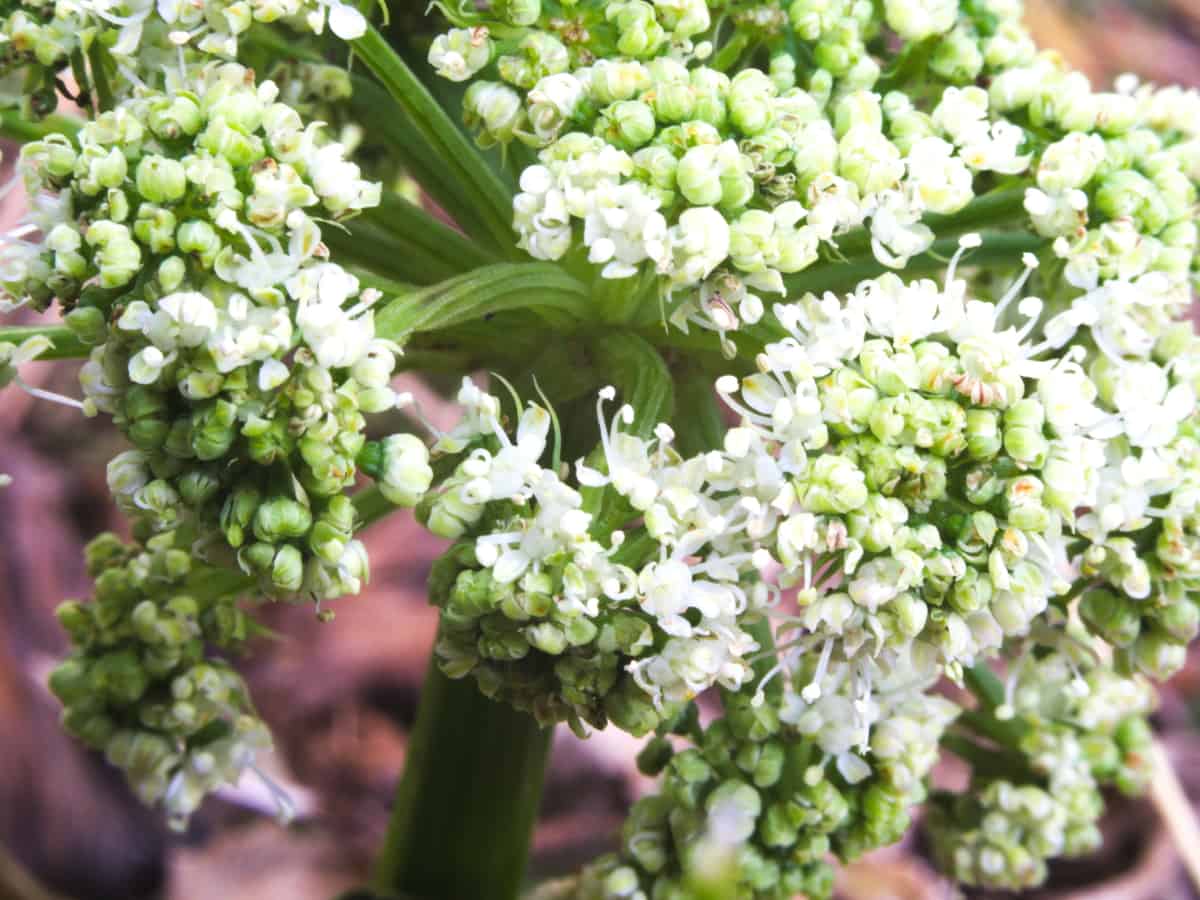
750	101
627	124
957	57
117	257
522	13
155	228
1127	194
173	117
653	757
287	569
1158	655
494	109
199	238
119	676
630	709
1111	616
1180	620
161	180
70	681
547	638
214	430
540	55
983	433
93	728
281	518
639	33
88	324
237	514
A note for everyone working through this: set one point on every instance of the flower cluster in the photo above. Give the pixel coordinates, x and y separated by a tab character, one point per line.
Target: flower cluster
181	234
141	685
754	793
900	500
548	605
135	41
930	478
651	156
1068	726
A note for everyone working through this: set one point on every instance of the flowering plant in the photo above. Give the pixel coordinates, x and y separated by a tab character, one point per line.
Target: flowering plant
841	376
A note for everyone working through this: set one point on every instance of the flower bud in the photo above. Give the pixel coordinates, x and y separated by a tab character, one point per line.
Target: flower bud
460	53
1111	616
161	180
627	124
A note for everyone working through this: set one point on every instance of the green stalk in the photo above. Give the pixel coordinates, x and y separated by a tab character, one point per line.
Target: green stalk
460	160
465	809
400	240
845	275
16	127
101	88
66	344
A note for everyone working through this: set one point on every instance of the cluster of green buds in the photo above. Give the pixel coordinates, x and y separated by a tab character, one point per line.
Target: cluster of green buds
660	151
526	647
750	810
141	684
237	359
1063	726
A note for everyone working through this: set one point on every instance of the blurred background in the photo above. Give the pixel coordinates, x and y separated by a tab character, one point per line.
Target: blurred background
341	698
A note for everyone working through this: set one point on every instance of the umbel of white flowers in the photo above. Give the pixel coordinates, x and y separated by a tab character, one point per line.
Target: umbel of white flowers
992	475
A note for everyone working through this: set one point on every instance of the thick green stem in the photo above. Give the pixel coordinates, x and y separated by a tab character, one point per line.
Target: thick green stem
97	62
465	809
461	162
16	127
845	275
66	344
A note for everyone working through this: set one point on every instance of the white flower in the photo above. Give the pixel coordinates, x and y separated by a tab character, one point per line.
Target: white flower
1150	407
961	114
915	20
540	215
552	102
624	228
405	474
699	243
147	364
1070	163
996	149
664	589
627	457
940	179
128	472
460	53
897	233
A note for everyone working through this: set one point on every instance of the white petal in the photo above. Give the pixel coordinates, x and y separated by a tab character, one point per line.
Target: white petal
347	22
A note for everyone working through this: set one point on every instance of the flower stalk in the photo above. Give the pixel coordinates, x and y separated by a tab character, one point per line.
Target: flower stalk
464	812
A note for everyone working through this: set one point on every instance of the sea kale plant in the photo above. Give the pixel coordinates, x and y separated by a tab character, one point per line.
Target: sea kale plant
828	402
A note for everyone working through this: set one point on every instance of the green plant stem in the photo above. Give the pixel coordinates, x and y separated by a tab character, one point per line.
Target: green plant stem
16	127
988	763
66	344
464	811
101	89
844	275
461	162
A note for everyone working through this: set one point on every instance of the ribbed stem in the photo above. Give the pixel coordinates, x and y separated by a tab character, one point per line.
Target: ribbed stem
16	127
66	344
465	809
461	163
